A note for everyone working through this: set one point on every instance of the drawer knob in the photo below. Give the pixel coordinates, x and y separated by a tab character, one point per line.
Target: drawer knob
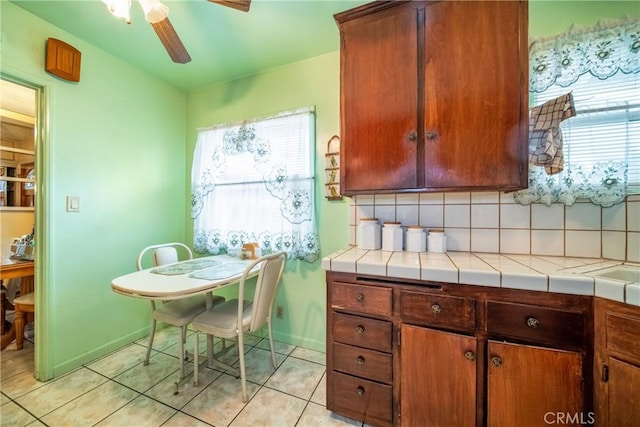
360	391
360	329
436	308
532	322
497	361
359	297
360	360
470	355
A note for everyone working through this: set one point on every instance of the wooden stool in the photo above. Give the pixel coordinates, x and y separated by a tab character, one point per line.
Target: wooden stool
23	304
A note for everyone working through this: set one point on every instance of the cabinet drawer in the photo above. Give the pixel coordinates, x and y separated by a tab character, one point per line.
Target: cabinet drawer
362	332
363	363
438	310
623	334
373	300
547	325
371	401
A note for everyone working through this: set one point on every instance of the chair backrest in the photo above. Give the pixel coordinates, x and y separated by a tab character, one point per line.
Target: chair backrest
164	253
271	268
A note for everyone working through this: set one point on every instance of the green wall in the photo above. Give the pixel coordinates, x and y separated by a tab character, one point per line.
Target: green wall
314	82
116	140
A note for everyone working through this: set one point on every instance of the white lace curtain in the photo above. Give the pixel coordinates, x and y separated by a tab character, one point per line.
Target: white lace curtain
582	61
254	182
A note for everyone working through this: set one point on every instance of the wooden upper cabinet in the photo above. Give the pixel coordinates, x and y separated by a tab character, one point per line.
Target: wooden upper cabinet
434	96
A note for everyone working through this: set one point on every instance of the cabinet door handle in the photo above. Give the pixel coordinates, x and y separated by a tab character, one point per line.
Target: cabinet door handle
360	329
532	322
436	308
413	136
359	297
470	355
431	135
497	361
360	391
360	361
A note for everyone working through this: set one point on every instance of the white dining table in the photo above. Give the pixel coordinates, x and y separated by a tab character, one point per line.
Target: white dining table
184	279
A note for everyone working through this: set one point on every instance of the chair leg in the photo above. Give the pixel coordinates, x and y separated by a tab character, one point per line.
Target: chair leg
242	370
271	347
196	354
182	335
153	333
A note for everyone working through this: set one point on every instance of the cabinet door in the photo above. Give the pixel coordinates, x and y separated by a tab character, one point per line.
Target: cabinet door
532	386
438	378
624	394
475	94
379	98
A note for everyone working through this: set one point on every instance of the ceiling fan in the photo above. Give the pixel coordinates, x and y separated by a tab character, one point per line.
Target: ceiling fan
157	14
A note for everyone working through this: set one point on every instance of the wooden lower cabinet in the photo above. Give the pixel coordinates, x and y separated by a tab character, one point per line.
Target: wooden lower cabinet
437	379
532	386
617	364
424	354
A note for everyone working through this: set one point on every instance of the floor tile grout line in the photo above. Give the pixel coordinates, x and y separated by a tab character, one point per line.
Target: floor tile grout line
256	345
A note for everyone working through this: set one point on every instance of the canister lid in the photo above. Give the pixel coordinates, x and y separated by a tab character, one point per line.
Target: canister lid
436	230
392	223
415	227
368	219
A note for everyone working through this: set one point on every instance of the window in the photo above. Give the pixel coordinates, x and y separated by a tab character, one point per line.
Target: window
254	182
601	143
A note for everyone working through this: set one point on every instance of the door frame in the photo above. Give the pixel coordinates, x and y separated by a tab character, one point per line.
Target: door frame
43	363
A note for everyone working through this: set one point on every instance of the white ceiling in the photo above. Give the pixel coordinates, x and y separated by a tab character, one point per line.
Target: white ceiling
224	43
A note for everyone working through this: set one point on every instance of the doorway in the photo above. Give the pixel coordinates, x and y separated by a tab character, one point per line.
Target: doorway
22	135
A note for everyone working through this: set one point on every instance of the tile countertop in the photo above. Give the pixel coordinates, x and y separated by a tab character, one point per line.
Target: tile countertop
567	275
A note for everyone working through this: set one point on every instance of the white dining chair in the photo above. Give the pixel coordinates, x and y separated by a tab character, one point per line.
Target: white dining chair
179	312
238	316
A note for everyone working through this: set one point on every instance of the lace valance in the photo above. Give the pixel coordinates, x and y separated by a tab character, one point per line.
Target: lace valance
603	50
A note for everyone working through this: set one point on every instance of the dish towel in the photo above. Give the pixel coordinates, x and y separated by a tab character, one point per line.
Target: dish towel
545	136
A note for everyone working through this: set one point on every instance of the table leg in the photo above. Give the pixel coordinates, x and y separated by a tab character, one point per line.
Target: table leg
19	322
8	337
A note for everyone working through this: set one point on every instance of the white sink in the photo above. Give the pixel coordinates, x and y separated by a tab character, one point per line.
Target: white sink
626	273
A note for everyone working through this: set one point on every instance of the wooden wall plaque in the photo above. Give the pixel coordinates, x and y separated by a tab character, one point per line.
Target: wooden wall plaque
63	60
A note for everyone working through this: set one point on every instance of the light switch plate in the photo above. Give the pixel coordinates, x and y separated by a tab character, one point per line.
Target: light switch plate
73	204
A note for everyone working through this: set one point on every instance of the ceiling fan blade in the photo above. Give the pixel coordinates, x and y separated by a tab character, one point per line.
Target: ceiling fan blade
171	41
242	5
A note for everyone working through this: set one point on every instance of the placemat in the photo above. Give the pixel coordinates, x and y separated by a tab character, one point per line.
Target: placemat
220	272
185	267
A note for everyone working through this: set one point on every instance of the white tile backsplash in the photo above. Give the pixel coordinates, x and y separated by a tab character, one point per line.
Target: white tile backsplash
432	216
583	216
515	216
485	240
485	216
547	217
614	218
613	244
457	215
547	242
633	216
492	222
585	244
515	241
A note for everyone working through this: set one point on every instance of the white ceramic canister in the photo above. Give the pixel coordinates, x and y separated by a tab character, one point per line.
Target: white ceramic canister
437	241
392	236
369	234
416	238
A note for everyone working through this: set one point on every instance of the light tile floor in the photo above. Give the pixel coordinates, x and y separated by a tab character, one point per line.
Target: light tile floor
117	390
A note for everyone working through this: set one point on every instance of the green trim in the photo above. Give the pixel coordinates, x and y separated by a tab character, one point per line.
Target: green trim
43	347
